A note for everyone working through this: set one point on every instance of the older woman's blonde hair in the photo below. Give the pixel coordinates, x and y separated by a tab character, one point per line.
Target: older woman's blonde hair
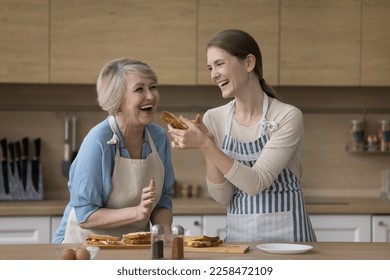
111	82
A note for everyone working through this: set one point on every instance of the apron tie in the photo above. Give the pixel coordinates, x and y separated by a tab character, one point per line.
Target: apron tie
115	138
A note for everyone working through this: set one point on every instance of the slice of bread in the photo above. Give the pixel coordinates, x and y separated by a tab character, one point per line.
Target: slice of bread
97	239
140	237
202	241
137	235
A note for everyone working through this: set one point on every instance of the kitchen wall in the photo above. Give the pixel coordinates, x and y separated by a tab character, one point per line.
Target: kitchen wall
35	110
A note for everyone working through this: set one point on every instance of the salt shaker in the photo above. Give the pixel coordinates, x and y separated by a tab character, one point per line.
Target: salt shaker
177	243
157	233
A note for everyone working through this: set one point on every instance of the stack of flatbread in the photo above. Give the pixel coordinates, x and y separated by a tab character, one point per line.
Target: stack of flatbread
98	240
202	241
137	238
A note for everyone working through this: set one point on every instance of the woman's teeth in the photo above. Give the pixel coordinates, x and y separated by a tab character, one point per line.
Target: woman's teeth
223	83
147	108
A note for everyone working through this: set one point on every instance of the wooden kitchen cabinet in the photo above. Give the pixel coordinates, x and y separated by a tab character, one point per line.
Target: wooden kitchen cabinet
342	228
23	230
54	224
87	34
320	42
214	225
192	224
211	225
260	18
376	43
381	228
24	41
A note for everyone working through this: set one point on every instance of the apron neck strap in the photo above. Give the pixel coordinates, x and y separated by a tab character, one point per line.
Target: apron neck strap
232	108
115	139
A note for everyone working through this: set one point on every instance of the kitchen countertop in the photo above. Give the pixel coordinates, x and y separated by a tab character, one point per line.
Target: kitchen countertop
320	251
206	206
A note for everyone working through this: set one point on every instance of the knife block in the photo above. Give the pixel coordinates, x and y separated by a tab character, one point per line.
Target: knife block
17	191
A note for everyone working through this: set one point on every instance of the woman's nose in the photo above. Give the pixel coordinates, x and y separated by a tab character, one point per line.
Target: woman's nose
150	94
214	74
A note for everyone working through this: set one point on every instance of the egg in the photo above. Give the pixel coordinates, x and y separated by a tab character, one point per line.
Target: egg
82	254
68	254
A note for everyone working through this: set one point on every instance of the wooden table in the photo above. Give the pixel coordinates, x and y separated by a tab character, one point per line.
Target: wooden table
320	251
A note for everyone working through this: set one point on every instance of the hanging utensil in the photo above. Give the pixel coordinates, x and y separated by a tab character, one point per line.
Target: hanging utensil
74	145
66	162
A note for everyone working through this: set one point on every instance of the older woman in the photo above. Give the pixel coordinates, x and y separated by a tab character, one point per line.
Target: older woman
122	178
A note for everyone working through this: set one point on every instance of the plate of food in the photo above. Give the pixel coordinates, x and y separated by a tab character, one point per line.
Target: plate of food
284	248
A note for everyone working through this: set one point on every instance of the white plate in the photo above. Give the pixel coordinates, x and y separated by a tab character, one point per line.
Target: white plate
284	248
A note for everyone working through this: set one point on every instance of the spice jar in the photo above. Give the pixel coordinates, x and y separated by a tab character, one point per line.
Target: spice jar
384	135
372	143
157	233
357	133
177	243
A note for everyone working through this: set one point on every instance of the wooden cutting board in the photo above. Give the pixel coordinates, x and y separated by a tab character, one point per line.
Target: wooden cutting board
223	248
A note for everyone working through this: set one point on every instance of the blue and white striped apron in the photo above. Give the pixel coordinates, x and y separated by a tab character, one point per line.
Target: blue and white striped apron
275	215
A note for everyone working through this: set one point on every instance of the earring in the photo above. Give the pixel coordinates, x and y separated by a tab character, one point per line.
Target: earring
119	111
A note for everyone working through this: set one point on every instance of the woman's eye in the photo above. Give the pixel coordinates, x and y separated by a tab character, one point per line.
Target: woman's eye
153	87
140	89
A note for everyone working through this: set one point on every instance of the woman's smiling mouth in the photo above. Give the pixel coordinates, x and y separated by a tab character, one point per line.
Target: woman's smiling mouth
223	83
146	108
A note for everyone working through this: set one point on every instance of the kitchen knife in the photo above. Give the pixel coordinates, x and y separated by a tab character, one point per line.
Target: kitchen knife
18	159
11	147
35	164
4	165
25	144
65	161
74	146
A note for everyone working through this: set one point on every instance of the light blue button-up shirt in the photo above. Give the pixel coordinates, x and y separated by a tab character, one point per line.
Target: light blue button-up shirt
90	173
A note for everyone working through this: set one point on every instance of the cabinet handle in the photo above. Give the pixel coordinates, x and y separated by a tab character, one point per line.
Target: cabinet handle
196	223
381	223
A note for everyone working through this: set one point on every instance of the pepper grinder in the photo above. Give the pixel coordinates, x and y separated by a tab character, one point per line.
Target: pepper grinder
157	242
177	243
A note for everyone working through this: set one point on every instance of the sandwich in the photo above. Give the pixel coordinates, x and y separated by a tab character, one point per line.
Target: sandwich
97	240
176	122
202	241
136	238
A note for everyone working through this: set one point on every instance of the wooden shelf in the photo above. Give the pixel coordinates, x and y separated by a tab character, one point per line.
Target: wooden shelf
365	151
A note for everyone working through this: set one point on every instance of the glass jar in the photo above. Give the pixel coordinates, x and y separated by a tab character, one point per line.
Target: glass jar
357	135
157	241
384	135
177	243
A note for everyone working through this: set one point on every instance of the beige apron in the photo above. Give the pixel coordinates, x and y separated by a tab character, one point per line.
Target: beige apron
130	176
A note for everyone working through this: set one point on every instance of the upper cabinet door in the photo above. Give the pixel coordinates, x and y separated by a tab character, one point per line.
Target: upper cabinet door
320	42
260	18
376	43
87	34
24	41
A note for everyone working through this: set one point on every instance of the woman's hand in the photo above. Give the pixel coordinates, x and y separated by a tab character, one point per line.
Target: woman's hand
147	200
193	137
